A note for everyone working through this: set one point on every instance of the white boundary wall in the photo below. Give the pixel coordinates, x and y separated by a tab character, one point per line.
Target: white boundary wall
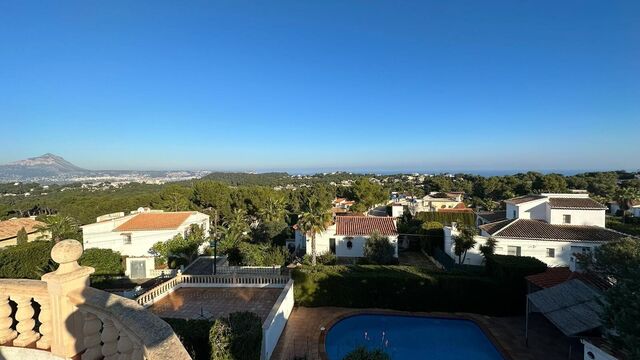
274	324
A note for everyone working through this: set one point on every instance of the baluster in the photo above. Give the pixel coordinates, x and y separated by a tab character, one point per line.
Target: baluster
109	339
6	333
91	331
45	325
125	346
26	323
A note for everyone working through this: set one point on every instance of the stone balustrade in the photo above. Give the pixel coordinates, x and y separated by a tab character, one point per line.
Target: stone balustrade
66	318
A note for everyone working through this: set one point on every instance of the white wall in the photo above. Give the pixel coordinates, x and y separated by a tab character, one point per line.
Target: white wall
342	250
564	250
596	352
578	217
536	210
274	324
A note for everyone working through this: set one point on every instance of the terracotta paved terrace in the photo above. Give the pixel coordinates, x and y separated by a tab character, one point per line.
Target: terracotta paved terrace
212	303
300	338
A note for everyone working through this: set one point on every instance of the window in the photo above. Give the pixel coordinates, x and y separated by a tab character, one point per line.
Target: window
566	219
551	252
126	239
513	250
514	215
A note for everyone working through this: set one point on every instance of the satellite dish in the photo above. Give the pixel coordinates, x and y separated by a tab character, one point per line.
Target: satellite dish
140	209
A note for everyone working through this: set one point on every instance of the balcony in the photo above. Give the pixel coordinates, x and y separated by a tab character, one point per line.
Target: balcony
62	317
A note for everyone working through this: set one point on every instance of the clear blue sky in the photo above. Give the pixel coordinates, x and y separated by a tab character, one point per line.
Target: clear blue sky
256	85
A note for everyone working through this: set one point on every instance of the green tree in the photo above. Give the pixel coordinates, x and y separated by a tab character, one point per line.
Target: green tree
379	250
314	221
274	210
180	246
626	197
620	261
368	193
174	198
58	227
237	337
22	237
212	195
489	247
464	241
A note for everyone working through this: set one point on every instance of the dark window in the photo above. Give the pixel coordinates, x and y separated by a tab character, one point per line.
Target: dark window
566	219
332	245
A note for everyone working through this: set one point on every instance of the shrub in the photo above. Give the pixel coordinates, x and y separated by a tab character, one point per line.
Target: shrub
402	288
258	255
105	261
446	218
237	337
326	258
176	261
22	236
379	250
509	268
26	261
194	335
362	353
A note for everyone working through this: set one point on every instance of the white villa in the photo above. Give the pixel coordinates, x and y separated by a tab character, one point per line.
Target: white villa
134	234
549	227
634	210
436	201
347	236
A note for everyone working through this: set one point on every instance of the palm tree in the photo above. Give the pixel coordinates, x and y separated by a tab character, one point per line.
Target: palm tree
274	210
314	221
58	227
625	198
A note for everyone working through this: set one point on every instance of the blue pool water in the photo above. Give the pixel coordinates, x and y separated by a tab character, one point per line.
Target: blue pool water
411	337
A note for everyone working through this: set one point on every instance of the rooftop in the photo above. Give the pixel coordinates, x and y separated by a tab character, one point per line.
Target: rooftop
575	203
493	216
557	275
155	221
540	230
524	199
9	228
365	225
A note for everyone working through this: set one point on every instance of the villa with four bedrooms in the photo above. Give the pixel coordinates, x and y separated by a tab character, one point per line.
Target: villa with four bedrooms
549	227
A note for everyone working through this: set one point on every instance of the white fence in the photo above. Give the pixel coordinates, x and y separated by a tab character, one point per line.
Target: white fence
262	270
274	324
163	272
225	280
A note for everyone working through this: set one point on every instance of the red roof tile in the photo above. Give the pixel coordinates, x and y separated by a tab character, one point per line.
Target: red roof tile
365	225
558	275
9	228
157	221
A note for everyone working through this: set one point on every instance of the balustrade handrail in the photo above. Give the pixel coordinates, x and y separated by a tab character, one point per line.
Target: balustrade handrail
33	288
145	329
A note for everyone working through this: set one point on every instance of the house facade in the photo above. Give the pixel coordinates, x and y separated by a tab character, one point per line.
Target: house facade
549	227
133	235
346	237
9	230
436	202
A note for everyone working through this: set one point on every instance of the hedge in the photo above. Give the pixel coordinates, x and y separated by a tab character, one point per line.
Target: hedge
509	268
27	261
446	218
237	337
106	261
194	335
403	288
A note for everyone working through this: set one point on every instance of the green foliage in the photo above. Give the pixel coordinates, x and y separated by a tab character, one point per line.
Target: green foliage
368	193
271	232
628	227
26	261
247	254
362	353
326	258
620	261
464	241
509	268
106	261
179	246
58	227
489	247
237	337
194	335
174	198
22	237
315	220
379	250
403	288
213	195
446	218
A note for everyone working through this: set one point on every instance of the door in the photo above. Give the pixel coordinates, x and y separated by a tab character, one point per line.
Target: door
332	245
138	269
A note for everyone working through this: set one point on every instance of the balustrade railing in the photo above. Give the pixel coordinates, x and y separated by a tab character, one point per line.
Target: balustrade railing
65	316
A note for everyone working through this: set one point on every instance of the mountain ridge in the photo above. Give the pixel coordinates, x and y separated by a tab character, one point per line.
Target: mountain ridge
46	165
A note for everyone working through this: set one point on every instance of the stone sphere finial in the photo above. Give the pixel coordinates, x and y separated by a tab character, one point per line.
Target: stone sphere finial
66	251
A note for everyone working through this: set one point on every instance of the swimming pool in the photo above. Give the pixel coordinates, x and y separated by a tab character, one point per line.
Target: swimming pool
411	337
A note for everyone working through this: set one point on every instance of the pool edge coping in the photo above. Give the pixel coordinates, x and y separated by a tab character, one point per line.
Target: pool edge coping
475	318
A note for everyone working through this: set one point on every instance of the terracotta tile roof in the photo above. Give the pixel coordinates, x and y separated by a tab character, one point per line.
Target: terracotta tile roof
9	228
540	230
576	203
365	225
558	275
524	199
157	221
493	216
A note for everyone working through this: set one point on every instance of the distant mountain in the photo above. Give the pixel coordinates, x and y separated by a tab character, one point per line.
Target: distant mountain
47	165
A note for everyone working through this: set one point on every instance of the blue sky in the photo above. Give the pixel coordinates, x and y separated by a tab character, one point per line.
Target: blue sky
380	85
